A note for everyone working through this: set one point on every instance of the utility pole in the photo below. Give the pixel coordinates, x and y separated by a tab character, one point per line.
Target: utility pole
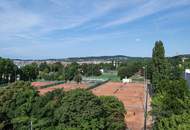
146	97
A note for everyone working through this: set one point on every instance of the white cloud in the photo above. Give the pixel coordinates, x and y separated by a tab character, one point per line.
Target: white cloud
58	15
146	9
37	26
14	19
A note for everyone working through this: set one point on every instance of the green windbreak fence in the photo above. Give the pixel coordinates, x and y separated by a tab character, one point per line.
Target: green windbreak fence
3	85
53	84
96	84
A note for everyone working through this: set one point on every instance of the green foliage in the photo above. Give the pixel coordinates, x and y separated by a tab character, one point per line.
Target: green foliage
29	72
115	113
170	103
122	72
171	100
51	72
8	71
5	122
107	66
175	122
90	69
71	70
129	69
16	102
160	67
56	67
78	78
44	108
78	109
52	76
44	67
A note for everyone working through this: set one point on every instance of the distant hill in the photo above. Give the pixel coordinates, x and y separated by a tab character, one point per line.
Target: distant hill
182	56
90	58
100	58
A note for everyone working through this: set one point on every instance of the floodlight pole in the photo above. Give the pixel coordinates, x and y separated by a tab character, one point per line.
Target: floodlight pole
31	127
146	96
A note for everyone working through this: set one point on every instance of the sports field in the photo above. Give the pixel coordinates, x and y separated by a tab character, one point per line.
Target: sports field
112	76
132	95
40	84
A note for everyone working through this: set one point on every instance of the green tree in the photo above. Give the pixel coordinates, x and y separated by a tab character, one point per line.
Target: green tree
172	98
74	110
78	78
90	69
71	70
29	72
44	67
122	72
175	122
5	122
129	69
115	113
160	68
80	110
16	102
8	71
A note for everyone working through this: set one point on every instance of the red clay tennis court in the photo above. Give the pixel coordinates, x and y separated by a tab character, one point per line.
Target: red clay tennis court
132	95
40	84
65	86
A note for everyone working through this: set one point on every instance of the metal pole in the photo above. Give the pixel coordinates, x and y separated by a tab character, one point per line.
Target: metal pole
15	69
31	128
146	98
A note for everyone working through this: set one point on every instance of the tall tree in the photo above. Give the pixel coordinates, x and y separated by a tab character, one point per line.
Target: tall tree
160	68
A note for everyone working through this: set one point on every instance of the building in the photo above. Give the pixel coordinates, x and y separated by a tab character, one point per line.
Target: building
126	80
187	75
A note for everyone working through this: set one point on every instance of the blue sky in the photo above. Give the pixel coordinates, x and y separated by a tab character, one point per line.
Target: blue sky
42	29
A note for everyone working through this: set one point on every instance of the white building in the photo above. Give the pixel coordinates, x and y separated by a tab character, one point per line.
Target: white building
187	75
102	70
126	80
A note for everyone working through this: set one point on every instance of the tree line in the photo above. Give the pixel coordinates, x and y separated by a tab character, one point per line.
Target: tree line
9	72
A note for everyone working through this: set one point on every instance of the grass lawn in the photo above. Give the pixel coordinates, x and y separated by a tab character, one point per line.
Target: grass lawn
112	76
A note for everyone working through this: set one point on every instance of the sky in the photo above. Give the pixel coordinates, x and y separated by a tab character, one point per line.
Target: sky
41	29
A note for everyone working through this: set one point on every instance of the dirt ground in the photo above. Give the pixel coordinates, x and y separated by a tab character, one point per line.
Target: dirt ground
132	95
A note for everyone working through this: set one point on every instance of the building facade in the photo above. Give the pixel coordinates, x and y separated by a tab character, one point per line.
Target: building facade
187	76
